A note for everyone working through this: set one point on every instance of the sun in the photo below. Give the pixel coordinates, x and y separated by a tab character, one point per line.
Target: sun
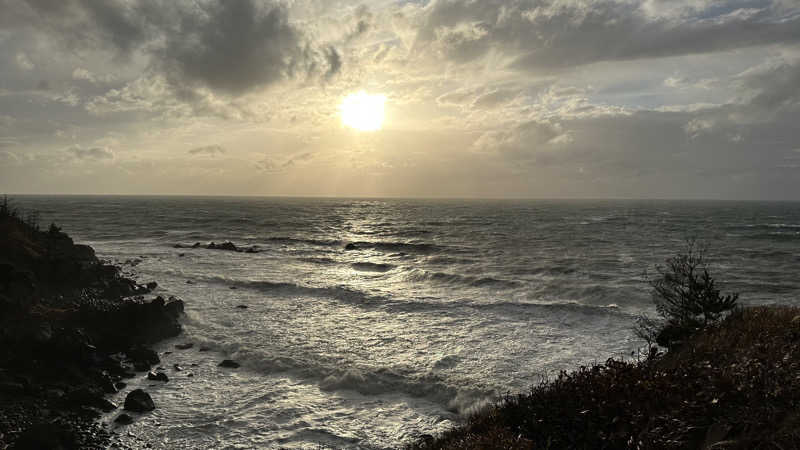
362	111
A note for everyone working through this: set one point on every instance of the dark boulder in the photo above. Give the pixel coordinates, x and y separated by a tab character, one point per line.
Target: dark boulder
151	285
142	353
242	306
139	401
123	419
229	364
157	376
351	246
184	346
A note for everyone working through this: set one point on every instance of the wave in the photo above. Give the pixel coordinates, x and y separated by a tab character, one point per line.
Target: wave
320	261
364	300
449	260
513	309
419	275
371	267
395	247
777	236
330	375
341	293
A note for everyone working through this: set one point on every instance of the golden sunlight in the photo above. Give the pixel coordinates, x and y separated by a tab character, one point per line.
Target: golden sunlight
362	111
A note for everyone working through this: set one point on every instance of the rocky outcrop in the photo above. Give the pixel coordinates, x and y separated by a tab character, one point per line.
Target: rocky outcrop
225	246
71	328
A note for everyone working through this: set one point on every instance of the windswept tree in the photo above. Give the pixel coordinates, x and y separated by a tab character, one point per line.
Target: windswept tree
686	298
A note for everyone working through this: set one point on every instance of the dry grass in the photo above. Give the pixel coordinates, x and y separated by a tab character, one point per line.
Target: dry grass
735	386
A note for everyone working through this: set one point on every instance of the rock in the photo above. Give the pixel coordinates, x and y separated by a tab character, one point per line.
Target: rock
204	349
181	255
190	374
106	405
242	306
196	245
123	419
351	246
227	246
151	285
189	282
141	366
229	363
107	384
89	397
120	385
233	288
139	401
184	346
174	307
144	354
177	368
157	376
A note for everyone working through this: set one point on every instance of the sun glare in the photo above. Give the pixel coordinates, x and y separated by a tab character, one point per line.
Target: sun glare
362	111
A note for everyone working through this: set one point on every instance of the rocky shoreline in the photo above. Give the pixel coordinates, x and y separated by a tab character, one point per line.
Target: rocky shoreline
73	329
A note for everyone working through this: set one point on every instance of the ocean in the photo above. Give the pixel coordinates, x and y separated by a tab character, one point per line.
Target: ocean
435	309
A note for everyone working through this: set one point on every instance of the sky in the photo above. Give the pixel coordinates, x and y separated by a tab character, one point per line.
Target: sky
483	98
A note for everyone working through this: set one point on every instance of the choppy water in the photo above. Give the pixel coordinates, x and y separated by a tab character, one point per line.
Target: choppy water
443	305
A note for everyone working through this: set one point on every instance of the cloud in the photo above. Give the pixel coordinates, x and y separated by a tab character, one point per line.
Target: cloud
552	34
522	140
210	150
93	153
230	47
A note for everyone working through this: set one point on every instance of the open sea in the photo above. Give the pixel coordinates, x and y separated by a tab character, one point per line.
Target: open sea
441	306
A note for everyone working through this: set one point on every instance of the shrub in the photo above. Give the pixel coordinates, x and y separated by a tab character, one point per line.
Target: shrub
686	299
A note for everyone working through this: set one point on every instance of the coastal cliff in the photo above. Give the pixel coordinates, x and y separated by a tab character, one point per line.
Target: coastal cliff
72	329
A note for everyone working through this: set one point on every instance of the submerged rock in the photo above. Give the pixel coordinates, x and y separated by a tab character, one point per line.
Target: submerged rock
123	419
229	363
227	246
139	401
157	376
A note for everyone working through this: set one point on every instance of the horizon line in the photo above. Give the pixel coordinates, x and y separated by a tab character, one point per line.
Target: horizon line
391	197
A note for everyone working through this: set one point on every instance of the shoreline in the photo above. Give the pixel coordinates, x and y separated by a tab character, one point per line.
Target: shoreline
74	329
